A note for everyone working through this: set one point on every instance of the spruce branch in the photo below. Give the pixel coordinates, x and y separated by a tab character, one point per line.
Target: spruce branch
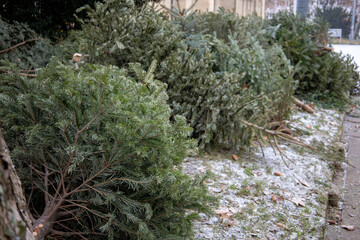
20	44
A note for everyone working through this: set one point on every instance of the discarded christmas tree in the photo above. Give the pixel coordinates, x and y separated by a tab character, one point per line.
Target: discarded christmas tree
97	153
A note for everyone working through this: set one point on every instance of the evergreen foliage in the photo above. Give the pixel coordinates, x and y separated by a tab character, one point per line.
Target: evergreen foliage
119	32
23	47
207	78
97	153
104	141
322	75
226	25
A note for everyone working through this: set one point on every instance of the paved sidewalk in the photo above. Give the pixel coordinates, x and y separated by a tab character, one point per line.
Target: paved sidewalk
350	184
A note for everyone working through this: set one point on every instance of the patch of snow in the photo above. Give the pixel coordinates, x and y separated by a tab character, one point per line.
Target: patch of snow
266	202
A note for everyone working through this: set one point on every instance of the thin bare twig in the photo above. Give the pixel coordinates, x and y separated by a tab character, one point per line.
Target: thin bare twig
56	232
20	44
21	73
281	154
28	75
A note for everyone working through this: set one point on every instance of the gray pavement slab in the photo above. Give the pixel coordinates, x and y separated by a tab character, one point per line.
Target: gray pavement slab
350	185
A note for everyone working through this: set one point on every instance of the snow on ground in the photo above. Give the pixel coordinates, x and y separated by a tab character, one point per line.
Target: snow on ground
353	50
257	203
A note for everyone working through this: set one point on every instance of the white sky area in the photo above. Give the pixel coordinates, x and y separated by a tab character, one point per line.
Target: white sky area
353	50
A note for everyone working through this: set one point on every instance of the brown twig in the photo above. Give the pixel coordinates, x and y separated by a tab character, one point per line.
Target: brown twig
304	106
70	231
279	134
60	233
69	212
22	74
274	134
86	209
19	44
28	75
27	71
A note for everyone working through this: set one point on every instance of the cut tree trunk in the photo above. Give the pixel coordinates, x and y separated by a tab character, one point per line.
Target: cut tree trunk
304	106
15	218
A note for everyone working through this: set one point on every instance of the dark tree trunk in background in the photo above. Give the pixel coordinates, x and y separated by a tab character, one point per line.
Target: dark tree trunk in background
15	220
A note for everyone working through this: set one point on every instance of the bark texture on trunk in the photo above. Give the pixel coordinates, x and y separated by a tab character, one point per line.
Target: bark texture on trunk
15	218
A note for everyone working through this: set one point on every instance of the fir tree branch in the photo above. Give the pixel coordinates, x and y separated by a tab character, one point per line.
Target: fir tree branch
69	212
88	180
27	71
96	190
65	137
121	179
22	74
28	105
68	234
46	183
46	176
28	75
57	205
72	202
65	171
44	191
70	231
20	44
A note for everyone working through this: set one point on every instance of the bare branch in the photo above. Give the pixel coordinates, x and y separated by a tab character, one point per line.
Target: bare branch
281	154
56	232
19	44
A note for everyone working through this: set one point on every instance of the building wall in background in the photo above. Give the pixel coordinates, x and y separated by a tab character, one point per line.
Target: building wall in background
274	6
241	7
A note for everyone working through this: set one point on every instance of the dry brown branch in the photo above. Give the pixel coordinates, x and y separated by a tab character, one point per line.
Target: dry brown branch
321	51
304	106
279	134
28	75
69	231
19	44
86	209
69	212
22	74
27	71
281	154
56	232
274	134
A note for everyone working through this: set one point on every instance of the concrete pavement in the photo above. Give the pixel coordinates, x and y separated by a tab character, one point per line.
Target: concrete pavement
348	182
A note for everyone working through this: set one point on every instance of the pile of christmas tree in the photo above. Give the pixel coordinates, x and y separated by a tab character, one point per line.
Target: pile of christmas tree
99	140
